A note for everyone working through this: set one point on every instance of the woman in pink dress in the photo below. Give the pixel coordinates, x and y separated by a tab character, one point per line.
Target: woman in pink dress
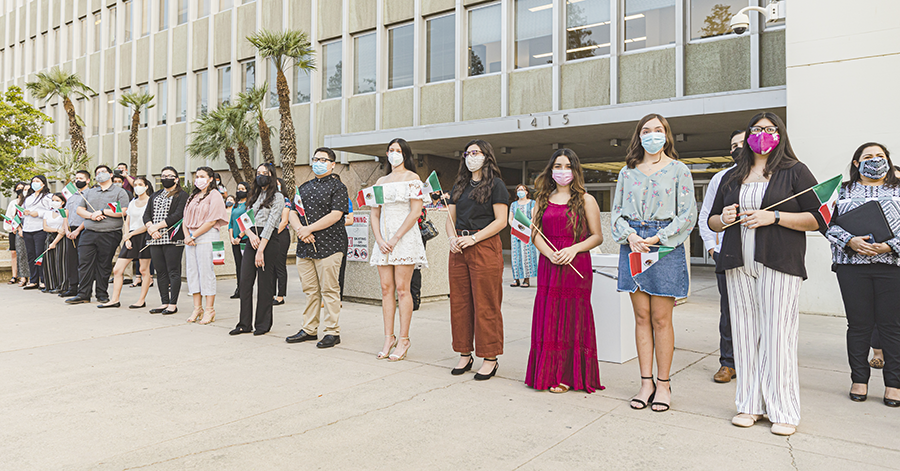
563	345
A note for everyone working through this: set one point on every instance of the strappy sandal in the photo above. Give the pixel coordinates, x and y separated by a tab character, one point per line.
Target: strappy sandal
12	281
649	399
209	316
526	284
383	355
561	388
515	285
658	380
198	311
395	357
877	363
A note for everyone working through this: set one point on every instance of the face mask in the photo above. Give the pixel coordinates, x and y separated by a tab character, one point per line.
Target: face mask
736	153
56	204
168	182
19	191
229	204
201	183
395	158
874	169
140	190
262	180
320	168
80	184
521	194
241	194
474	162
763	143
103	177
562	177
118	184
653	142
221	188
36	186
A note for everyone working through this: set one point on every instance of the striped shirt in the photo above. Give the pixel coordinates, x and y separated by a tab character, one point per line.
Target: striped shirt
851	197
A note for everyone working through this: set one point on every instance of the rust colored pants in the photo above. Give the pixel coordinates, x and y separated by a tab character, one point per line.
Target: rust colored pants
476	291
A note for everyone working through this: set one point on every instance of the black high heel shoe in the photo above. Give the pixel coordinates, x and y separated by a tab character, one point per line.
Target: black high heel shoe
459	371
649	399
481	377
658	380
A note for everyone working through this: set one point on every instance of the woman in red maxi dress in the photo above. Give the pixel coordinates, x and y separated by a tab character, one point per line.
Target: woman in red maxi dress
563	344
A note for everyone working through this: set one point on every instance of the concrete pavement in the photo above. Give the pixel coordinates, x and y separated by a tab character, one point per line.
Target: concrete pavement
84	388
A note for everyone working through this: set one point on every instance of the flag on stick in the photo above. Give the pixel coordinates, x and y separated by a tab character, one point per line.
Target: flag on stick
521	218
432	184
371	196
175	227
115	207
521	229
62	212
14	222
246	221
69	190
827	192
298	203
640	261
20	210
218	252
40	259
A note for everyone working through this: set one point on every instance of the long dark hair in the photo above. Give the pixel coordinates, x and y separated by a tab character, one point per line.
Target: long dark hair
62	197
781	157
270	189
209	186
21	196
246	188
544	186
177	186
635	152
44	191
408	161
489	171
890	180
146	182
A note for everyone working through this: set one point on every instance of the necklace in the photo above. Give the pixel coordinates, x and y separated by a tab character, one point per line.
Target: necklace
474	182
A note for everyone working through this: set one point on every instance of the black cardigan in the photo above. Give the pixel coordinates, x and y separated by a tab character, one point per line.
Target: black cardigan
176	211
777	247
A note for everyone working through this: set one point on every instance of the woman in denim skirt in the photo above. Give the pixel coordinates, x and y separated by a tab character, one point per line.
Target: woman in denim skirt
653	214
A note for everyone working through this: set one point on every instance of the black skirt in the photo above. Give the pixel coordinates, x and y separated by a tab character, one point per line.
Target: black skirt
138	242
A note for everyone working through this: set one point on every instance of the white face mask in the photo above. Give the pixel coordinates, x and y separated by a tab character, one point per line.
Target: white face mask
395	158
140	190
56	204
474	162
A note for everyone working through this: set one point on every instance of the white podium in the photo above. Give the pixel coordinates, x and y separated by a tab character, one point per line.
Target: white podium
613	315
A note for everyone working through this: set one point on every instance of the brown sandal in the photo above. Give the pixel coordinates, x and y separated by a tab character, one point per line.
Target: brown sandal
561	388
876	363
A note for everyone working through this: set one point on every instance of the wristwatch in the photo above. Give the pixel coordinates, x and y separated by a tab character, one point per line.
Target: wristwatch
473	238
777	217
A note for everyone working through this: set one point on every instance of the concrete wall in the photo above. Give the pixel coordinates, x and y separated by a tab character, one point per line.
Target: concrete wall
837	65
437	103
647	75
530	91
361	113
398	109
584	84
717	66
772	58
481	97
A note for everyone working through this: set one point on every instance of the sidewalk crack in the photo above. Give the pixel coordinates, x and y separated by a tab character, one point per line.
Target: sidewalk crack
791	452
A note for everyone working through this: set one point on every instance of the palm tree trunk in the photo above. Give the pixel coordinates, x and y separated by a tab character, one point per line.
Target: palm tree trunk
267	153
133	139
77	136
244	153
232	164
287	139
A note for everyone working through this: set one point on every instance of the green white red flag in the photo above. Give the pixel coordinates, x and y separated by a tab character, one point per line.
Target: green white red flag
432	184
640	261
372	196
115	207
246	221
218	252
521	228
298	203
69	190
827	192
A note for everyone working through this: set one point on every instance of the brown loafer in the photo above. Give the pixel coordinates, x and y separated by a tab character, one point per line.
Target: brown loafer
724	375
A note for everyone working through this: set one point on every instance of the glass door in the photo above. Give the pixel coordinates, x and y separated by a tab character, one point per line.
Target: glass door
699	255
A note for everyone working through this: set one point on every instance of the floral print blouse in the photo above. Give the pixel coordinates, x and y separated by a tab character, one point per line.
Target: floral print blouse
668	194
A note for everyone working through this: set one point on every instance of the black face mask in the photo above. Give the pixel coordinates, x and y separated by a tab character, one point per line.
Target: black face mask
80	184
241	195
168	182
736	153
262	180
19	191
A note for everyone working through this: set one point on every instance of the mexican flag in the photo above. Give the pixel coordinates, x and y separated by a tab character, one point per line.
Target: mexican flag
40	259
298	203
62	212
115	207
827	192
175	228
246	221
371	196
640	261
69	190
432	184
521	229
20	210
14	221
218	252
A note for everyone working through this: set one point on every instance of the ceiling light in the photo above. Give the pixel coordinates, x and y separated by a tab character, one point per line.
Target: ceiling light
576	28
643	38
587	48
541	56
634	17
540	8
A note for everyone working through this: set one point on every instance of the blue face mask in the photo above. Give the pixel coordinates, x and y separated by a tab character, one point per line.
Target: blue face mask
521	194
653	142
320	168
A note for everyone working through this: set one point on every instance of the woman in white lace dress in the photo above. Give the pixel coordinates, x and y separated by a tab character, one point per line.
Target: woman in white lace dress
398	246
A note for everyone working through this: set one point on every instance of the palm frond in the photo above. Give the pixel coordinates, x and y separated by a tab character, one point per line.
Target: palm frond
58	82
212	135
63	164
284	47
135	101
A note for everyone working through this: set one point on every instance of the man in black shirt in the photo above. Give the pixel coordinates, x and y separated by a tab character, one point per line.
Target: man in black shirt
321	245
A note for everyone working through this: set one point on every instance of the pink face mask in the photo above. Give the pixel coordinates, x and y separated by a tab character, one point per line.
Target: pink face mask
562	177
763	143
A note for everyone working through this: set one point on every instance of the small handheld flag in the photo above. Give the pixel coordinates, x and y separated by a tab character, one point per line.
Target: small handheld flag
69	190
372	196
115	207
218	252
522	227
432	184
62	212
246	221
175	227
20	210
38	261
827	192
640	261
298	203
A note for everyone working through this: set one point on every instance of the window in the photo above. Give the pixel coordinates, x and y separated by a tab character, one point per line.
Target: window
247	1
54	56
180	99
484	40
768	26
144	111
440	47
202	8
534	33
110	112
112	26
162	102
126	115
145	18
224	85
82	36
713	17
182	11
649	23
364	49
202	92
127	20
45	44
587	28
331	66
400	56
272	82
163	15
70	40
301	86
97	24
248	76
95	115
225	4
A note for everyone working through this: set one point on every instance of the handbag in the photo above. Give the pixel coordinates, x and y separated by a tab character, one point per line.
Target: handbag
428	231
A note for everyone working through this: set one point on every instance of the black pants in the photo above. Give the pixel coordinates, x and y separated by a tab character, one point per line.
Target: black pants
35	243
284	243
95	254
726	345
876	340
415	283
167	259
265	291
871	295
238	255
72	262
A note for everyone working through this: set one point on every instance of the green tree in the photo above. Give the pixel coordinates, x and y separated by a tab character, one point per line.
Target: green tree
58	83
243	131
252	100
718	22
285	48
63	164
136	102
211	138
578	39
20	129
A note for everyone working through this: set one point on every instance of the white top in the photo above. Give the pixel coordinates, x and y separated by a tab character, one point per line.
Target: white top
750	199
10	212
135	215
54	219
711	239
410	250
41	205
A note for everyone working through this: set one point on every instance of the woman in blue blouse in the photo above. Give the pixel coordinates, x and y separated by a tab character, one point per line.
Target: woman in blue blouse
238	237
524	255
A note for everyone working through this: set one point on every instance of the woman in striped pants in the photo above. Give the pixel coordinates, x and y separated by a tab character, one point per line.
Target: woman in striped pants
763	261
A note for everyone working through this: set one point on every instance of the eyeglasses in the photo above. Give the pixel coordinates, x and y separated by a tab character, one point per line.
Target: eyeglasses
319	159
767	129
472	153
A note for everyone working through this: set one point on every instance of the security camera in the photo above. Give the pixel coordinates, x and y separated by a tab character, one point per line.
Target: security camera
740	23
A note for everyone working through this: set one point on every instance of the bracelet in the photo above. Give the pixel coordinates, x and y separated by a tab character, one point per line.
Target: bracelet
722	219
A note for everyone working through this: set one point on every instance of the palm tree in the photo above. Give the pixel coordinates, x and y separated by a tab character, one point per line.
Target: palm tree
58	83
211	137
135	102
242	131
63	164
252	100
290	47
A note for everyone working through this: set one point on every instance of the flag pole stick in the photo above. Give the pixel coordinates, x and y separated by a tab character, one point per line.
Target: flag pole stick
538	231
452	222
307	224
772	206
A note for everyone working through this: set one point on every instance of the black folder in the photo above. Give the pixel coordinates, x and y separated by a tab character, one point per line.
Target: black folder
867	219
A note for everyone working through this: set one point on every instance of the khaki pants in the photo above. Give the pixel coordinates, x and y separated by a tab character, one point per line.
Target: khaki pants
320	283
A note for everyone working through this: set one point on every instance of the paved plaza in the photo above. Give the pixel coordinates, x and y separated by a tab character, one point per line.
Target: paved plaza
84	388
